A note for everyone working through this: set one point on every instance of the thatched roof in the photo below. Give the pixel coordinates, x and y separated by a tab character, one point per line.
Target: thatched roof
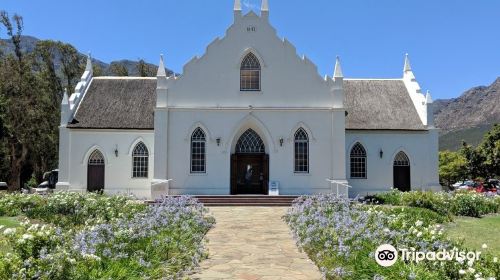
128	103
117	103
380	105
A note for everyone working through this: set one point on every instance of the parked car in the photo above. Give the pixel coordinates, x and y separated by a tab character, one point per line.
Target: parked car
50	179
490	186
3	187
467	185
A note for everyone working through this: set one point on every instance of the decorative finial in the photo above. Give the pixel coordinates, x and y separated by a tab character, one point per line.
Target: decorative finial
407	66
265	6
161	68
88	67
338	69
428	98
65	99
237	5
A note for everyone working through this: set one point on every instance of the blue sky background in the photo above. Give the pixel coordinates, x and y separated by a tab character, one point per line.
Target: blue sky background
453	44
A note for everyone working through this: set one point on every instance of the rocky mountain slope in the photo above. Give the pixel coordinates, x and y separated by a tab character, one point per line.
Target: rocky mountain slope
468	116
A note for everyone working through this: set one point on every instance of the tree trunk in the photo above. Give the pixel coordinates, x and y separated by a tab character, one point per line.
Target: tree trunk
16	164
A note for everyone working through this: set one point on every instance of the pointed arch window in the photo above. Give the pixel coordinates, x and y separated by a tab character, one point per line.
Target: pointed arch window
301	151
250	143
140	161
401	159
358	162
96	158
250	73
198	151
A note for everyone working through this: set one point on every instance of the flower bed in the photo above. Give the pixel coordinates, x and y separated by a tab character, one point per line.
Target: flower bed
90	236
341	238
460	203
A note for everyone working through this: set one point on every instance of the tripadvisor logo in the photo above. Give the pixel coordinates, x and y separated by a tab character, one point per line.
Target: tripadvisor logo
386	255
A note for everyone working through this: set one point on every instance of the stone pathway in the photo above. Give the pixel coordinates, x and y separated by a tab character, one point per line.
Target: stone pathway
253	243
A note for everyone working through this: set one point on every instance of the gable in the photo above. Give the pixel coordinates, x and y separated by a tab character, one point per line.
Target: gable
214	78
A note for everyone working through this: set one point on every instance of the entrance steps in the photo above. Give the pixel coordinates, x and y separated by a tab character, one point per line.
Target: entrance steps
246	200
242	200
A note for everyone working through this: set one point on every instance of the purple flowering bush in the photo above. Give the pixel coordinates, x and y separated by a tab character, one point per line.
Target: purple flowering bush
341	237
125	239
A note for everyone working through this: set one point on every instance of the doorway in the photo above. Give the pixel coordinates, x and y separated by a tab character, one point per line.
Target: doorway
249	166
95	172
402	172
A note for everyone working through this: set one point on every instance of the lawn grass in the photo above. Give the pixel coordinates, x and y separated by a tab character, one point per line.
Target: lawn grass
477	231
9	222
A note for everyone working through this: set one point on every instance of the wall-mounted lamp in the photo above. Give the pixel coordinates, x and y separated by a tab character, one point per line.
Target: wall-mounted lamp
218	141
116	151
281	141
381	153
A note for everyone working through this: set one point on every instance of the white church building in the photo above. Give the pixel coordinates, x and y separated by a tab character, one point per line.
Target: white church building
247	114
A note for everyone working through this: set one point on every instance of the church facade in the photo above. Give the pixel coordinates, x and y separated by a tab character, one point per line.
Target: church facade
246	115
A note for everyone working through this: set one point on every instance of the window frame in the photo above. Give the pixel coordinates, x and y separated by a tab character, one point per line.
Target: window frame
202	151
251	70
142	161
360	159
305	152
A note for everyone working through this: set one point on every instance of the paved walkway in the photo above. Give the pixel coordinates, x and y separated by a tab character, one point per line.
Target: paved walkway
253	243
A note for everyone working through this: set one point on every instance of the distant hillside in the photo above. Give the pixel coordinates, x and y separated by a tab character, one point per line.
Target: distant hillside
28	44
469	116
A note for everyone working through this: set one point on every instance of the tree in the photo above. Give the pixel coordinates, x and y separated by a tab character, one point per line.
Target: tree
144	69
452	167
118	69
474	161
490	151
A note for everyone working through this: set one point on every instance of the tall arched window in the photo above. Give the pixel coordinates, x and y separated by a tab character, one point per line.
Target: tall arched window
250	73
198	153
140	161
358	161
301	141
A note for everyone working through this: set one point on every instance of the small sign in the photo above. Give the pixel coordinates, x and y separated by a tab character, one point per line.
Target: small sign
274	187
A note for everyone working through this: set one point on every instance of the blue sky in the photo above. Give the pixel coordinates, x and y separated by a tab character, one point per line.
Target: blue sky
453	44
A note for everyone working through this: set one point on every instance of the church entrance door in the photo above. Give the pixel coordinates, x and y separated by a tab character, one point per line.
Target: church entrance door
249	165
95	172
249	174
401	172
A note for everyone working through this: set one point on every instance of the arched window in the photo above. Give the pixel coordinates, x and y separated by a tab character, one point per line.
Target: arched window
140	161
250	73
250	143
401	159
198	153
358	161
96	158
301	141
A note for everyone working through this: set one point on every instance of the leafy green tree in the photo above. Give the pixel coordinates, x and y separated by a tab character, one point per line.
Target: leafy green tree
144	69
118	69
490	150
474	161
452	167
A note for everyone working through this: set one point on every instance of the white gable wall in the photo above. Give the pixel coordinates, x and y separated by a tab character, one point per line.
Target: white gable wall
419	146
118	170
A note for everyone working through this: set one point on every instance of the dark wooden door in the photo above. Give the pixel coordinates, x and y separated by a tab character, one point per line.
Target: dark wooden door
95	178
402	180
249	174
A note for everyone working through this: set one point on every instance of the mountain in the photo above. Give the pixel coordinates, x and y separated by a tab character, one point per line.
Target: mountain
467	117
28	44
